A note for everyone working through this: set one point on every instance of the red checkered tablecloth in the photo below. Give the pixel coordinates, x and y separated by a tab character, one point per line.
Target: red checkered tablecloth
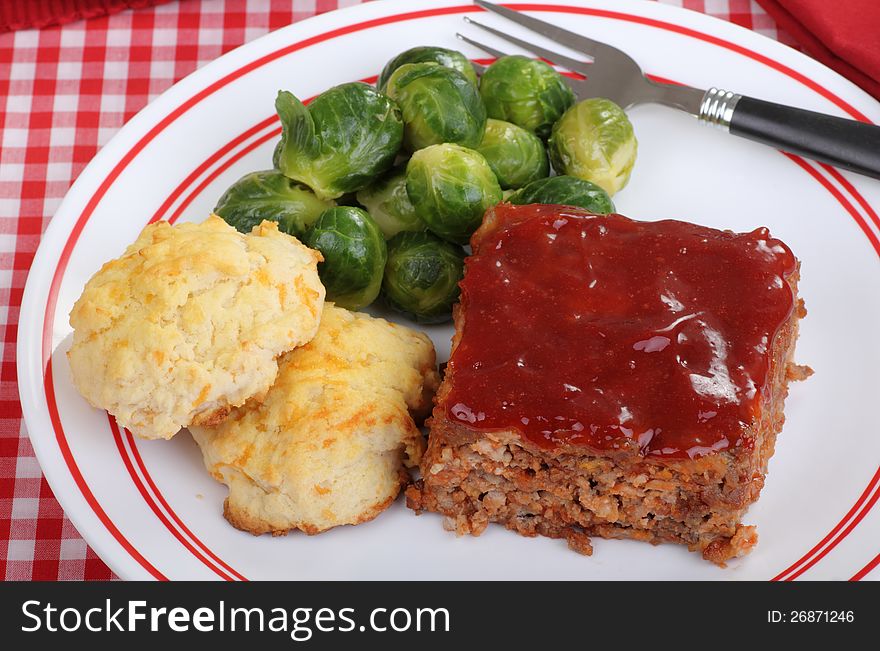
64	92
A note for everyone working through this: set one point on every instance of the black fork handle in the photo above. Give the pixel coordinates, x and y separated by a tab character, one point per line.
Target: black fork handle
843	143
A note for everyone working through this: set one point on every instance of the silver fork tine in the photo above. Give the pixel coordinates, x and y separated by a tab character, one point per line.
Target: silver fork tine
486	48
575	41
557	58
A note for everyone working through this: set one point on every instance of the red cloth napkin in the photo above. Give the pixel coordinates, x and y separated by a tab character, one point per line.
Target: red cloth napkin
27	14
842	34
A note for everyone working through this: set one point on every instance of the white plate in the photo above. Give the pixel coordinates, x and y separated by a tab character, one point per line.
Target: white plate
149	508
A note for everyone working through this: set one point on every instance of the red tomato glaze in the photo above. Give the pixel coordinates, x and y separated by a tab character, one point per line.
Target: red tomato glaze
606	332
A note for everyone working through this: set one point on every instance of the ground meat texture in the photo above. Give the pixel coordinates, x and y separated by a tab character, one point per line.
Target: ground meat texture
475	477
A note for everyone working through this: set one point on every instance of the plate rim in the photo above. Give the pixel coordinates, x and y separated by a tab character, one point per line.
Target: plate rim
140	125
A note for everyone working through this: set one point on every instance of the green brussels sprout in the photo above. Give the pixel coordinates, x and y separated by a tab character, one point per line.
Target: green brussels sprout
388	203
439	105
595	141
270	195
525	91
451	187
421	276
345	138
354	255
428	54
567	191
515	155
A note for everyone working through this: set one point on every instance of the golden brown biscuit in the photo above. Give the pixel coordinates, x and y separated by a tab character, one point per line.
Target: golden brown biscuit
329	443
189	322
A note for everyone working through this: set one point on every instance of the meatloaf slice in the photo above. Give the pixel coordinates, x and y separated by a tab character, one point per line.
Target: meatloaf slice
613	378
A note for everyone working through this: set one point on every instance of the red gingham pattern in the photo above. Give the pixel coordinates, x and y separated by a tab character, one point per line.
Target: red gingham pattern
64	92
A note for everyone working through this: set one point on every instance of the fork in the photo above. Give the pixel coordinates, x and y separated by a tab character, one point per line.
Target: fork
613	74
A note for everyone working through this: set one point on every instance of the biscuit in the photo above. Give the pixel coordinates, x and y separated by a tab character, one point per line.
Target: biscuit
329	443
189	322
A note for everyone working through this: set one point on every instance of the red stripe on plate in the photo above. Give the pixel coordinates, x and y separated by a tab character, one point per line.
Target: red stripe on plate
820	549
197	172
852	525
865	571
80	482
840	531
226	165
840	178
140	463
837	194
117	437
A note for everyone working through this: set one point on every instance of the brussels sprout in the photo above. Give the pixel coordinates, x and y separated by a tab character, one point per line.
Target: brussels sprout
567	191
388	203
421	276
439	105
428	54
594	141
270	195
515	155
525	91
451	187
346	137
354	255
